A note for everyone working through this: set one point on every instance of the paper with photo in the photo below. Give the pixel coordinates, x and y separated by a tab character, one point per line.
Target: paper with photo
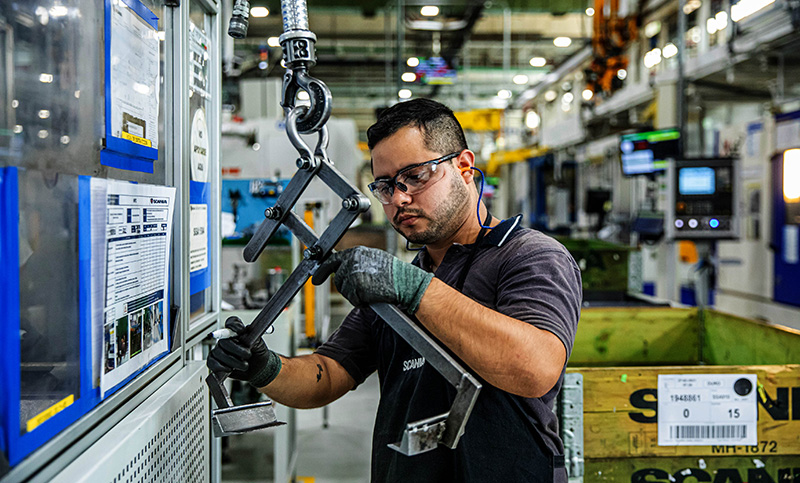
134	324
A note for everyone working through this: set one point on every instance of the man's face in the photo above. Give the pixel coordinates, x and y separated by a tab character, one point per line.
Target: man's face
439	210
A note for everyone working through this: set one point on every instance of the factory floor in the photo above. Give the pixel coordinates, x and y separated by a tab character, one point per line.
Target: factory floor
338	454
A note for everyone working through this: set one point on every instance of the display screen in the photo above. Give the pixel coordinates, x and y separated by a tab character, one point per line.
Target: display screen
696	181
648	152
435	70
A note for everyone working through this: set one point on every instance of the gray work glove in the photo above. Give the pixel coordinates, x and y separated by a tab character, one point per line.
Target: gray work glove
366	276
257	365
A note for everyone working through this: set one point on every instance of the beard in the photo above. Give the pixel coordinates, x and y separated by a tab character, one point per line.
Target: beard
446	218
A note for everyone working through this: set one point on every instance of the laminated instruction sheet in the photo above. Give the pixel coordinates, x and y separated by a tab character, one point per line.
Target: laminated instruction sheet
134	76
131	320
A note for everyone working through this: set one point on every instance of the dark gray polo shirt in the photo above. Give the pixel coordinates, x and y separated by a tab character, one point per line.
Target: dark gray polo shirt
519	272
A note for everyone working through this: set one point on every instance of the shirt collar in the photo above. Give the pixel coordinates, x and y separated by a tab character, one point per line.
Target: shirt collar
496	237
500	233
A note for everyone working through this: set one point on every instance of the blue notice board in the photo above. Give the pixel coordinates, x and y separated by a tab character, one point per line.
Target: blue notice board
132	83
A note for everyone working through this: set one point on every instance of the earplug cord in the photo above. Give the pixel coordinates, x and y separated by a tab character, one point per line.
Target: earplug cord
477	210
480	195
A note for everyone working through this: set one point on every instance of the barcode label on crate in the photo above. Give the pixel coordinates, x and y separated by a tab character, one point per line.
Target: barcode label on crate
708	432
707	409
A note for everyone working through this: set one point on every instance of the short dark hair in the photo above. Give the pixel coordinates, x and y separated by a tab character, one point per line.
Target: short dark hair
441	131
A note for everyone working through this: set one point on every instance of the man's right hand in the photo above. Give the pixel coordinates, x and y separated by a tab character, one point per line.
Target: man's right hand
257	365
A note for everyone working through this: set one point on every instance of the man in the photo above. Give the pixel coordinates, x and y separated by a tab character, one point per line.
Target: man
505	300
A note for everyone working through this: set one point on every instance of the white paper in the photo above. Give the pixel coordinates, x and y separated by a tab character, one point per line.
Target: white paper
134	77
138	229
753	141
198	241
707	409
787	134
791	254
199	146
198	51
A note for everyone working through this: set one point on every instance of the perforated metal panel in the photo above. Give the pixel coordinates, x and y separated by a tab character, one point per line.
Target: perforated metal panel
166	439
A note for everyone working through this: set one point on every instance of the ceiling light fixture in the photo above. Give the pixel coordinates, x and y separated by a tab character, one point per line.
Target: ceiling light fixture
58	11
520	79
691	6
274	42
538	62
652	29
404	93
532	120
259	12
408	77
711	26
562	42
412	62
652	58
590	12
429	11
587	94
722	20
745	8
504	94
550	96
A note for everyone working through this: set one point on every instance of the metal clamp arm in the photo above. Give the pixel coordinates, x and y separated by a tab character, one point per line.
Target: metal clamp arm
298	45
447	428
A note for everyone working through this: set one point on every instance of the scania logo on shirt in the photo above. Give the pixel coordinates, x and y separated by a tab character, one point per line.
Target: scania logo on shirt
413	364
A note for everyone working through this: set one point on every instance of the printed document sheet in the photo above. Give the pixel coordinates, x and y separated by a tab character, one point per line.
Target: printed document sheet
138	230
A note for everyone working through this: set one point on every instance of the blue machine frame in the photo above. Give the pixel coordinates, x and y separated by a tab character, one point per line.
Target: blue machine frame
786	287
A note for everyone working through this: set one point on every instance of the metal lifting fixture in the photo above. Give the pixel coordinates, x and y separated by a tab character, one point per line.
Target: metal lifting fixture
298	45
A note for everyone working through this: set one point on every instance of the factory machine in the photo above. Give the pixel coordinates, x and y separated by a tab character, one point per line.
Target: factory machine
109	186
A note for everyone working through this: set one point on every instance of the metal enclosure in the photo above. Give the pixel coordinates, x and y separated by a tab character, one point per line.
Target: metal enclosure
52	128
165	439
698	214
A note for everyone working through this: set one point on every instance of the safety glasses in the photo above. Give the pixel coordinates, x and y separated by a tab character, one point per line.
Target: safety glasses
411	179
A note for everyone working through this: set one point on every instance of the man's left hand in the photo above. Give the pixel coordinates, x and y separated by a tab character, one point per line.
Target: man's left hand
366	276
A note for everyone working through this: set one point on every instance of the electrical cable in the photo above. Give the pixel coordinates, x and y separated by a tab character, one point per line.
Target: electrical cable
477	209
480	195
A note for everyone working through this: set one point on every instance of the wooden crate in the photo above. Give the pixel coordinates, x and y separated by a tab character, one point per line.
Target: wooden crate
620	353
754	468
620	410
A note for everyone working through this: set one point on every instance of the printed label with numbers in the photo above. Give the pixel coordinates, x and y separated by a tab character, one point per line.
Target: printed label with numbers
707	409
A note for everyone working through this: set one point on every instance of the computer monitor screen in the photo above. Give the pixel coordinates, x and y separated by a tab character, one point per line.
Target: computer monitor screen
435	70
648	152
696	181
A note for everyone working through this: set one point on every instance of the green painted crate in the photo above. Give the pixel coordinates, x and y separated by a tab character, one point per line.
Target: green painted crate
621	351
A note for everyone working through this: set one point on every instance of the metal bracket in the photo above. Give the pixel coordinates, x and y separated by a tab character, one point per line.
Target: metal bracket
425	435
570	404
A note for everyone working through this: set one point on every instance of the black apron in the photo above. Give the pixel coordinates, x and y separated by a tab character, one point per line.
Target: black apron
500	442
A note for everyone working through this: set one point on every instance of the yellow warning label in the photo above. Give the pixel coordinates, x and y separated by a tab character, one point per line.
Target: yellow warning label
136	139
50	412
305	479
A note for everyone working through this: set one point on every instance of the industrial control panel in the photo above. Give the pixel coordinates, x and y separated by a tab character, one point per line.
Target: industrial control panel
702	199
